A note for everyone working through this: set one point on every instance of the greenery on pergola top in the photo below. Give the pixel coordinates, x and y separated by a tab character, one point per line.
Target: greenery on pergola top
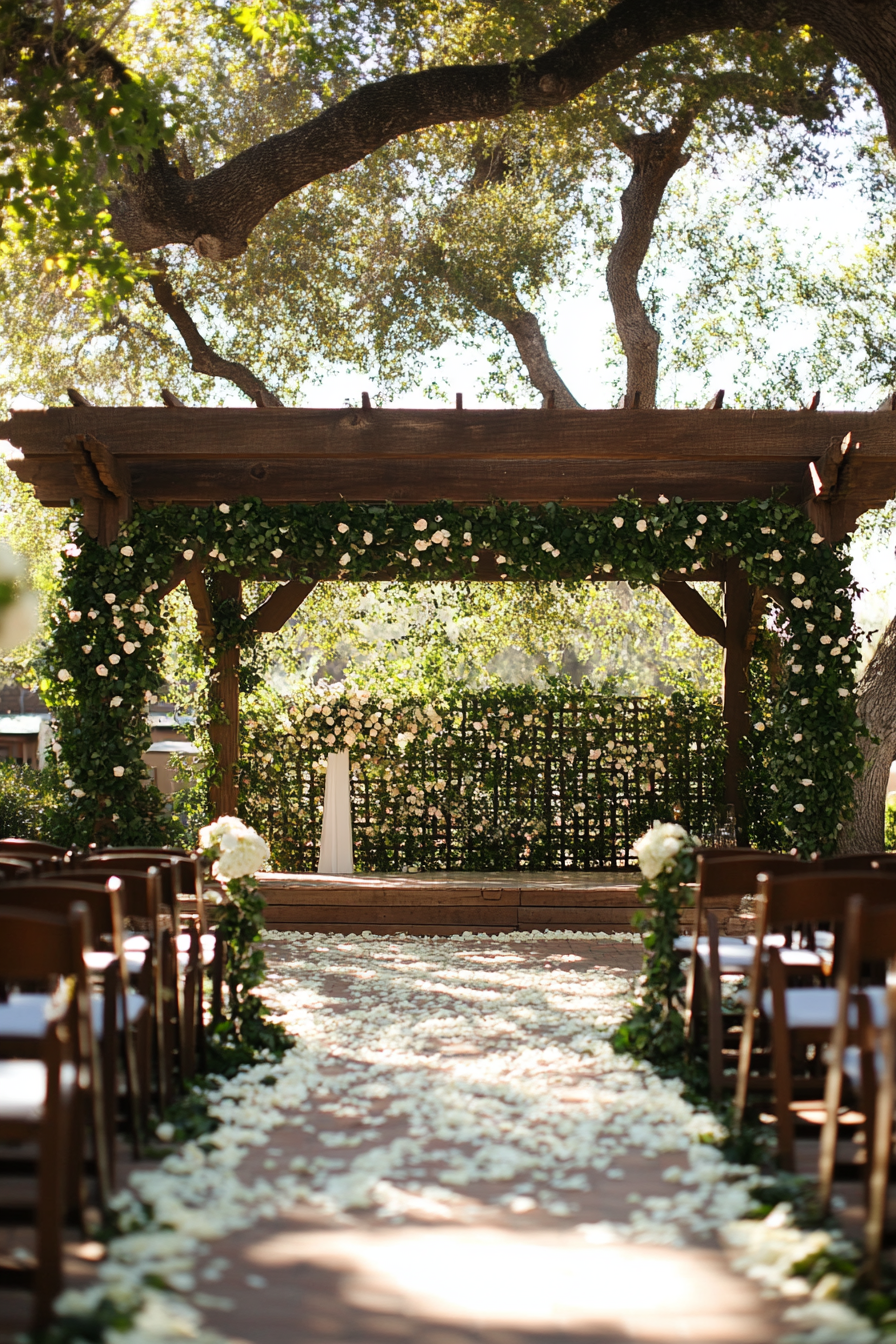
103	665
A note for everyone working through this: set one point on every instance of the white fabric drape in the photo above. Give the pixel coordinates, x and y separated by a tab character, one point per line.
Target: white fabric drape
336	848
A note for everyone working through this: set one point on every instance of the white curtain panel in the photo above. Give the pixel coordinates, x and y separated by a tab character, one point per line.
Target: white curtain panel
336	848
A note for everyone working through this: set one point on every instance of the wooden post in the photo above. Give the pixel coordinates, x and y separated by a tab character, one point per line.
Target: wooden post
225	733
735	685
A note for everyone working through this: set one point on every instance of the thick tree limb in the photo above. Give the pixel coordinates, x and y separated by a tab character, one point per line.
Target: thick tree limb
655	157
877	710
217	213
205	359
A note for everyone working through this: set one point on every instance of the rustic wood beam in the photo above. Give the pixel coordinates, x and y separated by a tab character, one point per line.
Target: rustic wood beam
224	731
695	609
275	610
175	579
201	601
735	680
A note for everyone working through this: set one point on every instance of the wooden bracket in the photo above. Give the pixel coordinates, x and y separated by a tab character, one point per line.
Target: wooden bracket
176	578
104	483
201	601
695	610
717	402
276	610
826	484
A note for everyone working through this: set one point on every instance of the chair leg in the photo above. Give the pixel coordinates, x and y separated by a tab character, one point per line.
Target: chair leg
714	1009
883	1143
109	1059
52	1183
781	1063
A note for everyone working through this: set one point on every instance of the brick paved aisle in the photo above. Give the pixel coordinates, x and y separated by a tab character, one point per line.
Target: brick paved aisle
452	1155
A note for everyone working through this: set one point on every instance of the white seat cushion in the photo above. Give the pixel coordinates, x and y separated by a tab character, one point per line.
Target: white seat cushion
23	1088
136	1009
818	1007
25	1015
98	961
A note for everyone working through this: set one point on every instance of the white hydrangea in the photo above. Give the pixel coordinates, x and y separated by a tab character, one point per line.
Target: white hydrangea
658	848
239	850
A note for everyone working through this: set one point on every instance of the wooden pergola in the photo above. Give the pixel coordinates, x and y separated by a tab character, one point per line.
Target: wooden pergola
834	465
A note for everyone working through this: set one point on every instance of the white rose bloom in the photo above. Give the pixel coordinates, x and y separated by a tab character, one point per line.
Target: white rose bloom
342	527
658	847
241	850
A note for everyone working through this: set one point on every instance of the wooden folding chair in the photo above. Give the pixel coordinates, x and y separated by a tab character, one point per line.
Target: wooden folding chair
863	1026
182	887
721	874
797	1016
40	1075
150	950
116	1011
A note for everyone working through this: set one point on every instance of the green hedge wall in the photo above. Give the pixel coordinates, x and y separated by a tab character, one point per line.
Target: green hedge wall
508	778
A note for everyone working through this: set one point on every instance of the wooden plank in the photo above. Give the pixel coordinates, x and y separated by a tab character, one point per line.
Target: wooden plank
218	433
422	897
597	897
700	616
284	602
575	916
372	916
415	930
225	731
588	482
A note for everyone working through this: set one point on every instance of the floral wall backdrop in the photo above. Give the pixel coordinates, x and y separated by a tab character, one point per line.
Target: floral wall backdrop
104	664
515	777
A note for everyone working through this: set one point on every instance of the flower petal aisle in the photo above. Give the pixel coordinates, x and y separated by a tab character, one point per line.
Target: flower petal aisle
450	1120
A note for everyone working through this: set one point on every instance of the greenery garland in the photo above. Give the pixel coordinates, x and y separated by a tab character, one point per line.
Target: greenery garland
655	1030
103	665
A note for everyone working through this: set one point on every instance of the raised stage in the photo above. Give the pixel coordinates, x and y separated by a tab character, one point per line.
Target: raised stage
455	902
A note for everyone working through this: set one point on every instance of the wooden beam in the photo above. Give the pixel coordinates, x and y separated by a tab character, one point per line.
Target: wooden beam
694	608
201	601
102	485
584	458
275	610
176	578
224	729
735	681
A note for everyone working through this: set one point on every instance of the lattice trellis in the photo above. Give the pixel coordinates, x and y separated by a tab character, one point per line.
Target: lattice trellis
500	780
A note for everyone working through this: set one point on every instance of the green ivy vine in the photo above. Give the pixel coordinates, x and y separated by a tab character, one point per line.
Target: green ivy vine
103	665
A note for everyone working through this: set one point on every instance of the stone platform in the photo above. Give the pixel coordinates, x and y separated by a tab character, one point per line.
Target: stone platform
454	902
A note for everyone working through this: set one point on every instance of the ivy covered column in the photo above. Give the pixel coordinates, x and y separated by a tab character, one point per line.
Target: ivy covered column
735	682
224	725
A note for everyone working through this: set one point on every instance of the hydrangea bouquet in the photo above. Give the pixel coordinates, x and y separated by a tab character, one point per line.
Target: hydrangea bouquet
655	1030
234	853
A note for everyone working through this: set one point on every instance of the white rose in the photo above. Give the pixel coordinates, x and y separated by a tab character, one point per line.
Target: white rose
110	598
776	556
63	674
641	525
619	522
188	555
277	554
74	615
224	508
102	671
345	559
342	527
798	579
114	658
118	771
368	538
115	701
127	550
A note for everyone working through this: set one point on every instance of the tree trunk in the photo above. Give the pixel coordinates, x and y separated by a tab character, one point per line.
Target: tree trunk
543	375
877	710
655	157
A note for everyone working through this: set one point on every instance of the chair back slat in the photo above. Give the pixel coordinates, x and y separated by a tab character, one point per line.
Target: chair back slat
56	898
15	846
37	944
140	892
819	897
868	862
735	874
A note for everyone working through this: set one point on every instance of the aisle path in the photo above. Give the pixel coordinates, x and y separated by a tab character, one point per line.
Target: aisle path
454	1155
